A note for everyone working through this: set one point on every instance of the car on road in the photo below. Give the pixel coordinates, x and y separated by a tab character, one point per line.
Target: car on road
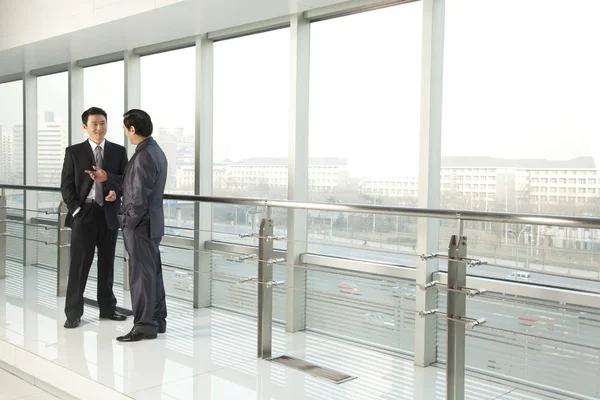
520	276
378	319
349	288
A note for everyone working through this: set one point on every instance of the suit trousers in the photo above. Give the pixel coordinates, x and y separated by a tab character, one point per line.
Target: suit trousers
145	279
89	231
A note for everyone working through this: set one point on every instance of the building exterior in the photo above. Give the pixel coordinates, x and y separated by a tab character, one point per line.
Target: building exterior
52	141
264	176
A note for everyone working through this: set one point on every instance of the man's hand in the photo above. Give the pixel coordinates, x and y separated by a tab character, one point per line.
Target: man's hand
112	196
98	174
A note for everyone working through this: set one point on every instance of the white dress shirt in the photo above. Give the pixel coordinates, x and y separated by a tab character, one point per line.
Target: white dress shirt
92	193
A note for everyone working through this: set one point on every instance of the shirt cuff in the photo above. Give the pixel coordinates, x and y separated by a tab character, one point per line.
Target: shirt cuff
76	211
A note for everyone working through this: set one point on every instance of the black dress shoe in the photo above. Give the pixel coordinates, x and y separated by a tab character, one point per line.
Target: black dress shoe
115	316
71	323
162	326
134	336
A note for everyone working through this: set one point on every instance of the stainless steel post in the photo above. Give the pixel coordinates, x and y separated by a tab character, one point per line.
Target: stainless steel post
63	251
265	292
457	279
3	233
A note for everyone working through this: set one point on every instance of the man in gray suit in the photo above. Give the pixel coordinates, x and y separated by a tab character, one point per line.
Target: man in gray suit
142	221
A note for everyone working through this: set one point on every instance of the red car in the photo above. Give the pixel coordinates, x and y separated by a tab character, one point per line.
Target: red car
349	288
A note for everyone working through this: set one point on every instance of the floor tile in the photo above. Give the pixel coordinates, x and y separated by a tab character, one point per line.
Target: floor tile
205	354
12	387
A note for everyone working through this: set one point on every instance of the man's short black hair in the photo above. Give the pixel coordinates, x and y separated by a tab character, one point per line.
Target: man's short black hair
140	120
92	111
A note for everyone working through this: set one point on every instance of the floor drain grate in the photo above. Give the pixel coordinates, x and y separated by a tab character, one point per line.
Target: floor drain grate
312	369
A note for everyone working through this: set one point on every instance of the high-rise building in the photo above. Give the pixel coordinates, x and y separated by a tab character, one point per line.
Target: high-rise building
11	153
52	141
5	152
167	138
18	143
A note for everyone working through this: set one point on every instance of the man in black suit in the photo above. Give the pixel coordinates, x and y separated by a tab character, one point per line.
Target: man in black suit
142	222
92	216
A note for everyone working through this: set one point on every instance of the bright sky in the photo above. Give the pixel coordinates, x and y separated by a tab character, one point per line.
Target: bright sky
520	81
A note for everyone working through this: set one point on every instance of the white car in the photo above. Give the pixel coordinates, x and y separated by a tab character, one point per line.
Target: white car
380	320
520	276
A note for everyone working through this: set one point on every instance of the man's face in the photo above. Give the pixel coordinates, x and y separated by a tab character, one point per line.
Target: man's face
96	128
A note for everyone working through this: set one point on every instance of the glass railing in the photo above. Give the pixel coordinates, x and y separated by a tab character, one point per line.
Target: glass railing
518	300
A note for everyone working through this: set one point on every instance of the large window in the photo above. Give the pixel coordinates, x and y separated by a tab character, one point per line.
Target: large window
103	86
11	133
169	98
520	125
168	95
365	87
364	106
520	105
251	114
11	161
251	128
53	137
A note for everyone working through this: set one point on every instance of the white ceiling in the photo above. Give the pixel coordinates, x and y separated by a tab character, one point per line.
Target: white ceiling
178	20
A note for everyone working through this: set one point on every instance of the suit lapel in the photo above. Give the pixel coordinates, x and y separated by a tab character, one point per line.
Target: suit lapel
89	155
108	156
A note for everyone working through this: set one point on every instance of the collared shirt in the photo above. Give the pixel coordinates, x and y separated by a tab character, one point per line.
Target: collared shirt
92	193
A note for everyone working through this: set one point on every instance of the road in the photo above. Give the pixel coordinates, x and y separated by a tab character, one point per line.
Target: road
374	251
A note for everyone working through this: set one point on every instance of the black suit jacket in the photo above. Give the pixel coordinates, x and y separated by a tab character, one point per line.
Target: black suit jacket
75	184
143	185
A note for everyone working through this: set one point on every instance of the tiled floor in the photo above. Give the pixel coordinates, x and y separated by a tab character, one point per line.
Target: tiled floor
13	388
205	354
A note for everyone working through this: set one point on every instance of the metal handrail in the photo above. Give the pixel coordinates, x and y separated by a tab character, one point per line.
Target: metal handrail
456	284
462	215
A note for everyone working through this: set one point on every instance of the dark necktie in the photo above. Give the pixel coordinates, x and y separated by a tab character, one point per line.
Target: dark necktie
99	197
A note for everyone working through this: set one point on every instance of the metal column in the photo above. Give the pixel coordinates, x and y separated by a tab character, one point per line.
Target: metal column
457	279
298	166
203	167
3	233
430	144
265	291
63	251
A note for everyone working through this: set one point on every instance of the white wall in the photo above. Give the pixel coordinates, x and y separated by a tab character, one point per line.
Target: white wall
42	33
28	21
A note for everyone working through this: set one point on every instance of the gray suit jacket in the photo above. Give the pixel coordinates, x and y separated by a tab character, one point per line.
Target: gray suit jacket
143	185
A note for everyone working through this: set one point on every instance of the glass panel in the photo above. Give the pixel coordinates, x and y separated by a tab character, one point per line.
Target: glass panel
508	108
537	342
364	126
520	112
103	86
11	163
375	310
170	101
53	125
11	133
251	118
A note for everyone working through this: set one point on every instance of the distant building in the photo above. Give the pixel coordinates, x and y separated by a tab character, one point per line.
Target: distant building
325	175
